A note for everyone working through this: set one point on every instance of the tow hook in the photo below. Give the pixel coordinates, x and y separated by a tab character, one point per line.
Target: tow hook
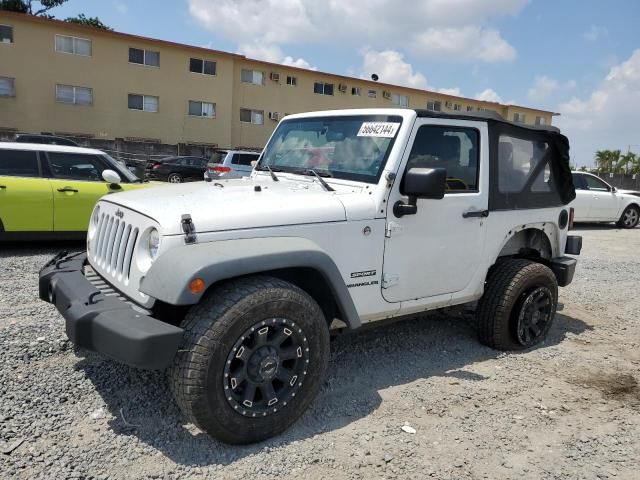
189	229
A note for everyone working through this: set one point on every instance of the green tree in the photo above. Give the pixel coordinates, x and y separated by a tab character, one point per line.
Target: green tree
634	167
606	160
41	8
625	162
30	7
91	21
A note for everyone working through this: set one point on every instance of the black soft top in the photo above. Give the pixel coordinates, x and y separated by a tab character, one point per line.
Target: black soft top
485	116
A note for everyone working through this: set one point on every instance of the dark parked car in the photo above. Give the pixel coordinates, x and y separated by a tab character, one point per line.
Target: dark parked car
45	139
179	169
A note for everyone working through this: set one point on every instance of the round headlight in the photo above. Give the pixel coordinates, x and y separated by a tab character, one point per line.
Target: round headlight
154	243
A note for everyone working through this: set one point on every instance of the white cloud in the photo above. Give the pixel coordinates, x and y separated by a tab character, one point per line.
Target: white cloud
436	27
465	43
390	67
451	91
595	33
542	88
273	54
488	95
609	117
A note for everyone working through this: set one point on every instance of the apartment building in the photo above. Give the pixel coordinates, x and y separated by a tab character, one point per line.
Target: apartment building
104	86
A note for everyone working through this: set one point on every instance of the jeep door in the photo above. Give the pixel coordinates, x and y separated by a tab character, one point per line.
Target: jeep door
437	250
26	203
77	184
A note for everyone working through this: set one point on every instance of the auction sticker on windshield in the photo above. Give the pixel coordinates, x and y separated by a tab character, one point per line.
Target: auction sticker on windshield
378	129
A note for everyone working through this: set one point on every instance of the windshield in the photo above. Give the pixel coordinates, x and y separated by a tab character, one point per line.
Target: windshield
350	147
122	171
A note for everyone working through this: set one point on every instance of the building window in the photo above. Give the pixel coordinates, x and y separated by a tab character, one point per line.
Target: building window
540	121
469	108
293	81
202	109
206	67
457	107
372	94
434	106
6	34
73	45
146	103
252	116
7	87
518	117
74	95
400	100
322	88
144	57
355	91
255	77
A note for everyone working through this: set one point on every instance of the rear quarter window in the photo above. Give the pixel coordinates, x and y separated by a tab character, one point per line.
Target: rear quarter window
19	163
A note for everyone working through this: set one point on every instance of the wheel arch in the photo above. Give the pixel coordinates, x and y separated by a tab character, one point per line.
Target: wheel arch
296	260
531	243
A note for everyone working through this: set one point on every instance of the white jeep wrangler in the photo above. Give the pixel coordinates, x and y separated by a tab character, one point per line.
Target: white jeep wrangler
349	217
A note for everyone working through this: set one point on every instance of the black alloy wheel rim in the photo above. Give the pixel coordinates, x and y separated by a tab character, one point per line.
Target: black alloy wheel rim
534	315
266	367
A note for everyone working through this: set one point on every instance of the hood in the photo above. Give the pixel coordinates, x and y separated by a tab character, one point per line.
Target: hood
237	203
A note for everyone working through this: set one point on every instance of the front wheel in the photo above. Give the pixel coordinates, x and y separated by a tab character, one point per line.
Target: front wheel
253	358
518	305
174	178
630	217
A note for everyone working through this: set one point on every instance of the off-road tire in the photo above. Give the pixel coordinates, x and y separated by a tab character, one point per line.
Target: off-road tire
507	286
174	178
214	326
630	217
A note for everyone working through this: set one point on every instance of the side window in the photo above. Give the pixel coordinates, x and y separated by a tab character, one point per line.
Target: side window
579	182
74	166
595	184
19	163
454	149
518	160
244	159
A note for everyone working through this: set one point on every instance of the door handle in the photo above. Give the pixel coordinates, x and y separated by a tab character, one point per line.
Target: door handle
478	214
68	189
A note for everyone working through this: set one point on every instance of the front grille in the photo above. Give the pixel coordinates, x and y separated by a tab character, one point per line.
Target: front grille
112	249
107	290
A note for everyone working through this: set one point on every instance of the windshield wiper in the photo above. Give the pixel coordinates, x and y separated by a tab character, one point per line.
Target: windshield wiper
326	186
273	175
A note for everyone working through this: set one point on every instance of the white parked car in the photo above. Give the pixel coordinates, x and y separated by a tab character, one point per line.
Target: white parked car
597	201
350	215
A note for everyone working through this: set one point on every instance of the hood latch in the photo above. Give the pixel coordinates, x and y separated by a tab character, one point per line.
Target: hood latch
188	228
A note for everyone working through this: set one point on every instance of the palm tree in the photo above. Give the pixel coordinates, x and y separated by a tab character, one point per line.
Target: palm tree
606	160
634	169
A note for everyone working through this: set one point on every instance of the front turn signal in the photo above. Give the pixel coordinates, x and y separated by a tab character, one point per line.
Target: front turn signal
196	286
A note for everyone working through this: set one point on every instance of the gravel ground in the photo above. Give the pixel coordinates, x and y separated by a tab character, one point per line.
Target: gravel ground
568	409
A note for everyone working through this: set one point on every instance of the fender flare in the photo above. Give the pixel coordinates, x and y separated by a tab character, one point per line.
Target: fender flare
169	276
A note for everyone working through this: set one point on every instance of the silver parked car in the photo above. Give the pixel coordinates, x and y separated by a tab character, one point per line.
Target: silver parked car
230	164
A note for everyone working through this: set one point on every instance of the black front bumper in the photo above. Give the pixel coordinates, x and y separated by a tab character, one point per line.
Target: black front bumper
106	324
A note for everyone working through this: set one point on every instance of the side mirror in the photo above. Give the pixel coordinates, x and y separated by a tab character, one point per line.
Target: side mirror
420	183
614	189
111	177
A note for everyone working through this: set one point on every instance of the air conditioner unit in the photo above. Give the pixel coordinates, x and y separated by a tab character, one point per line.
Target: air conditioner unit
386	94
275	76
342	87
274	116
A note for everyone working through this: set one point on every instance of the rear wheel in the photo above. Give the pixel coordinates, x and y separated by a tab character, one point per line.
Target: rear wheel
174	178
630	217
518	305
253	358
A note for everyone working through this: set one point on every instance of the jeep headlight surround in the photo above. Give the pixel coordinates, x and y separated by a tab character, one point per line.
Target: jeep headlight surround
153	243
93	223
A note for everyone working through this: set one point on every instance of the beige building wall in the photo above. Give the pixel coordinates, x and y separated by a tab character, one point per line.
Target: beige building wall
36	67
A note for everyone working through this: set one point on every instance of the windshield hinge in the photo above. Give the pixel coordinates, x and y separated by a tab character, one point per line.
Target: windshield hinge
393	227
188	228
389	280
